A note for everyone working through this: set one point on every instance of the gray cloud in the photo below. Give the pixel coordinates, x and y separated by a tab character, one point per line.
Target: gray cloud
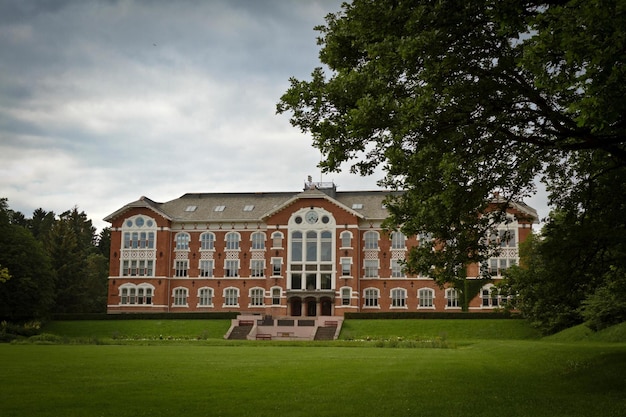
104	101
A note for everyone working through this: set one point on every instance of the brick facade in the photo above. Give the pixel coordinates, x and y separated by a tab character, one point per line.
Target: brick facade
311	253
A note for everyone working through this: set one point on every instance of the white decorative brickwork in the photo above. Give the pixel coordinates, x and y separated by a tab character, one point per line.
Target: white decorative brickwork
139	254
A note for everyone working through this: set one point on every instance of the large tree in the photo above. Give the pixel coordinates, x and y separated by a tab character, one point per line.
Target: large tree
456	100
27	288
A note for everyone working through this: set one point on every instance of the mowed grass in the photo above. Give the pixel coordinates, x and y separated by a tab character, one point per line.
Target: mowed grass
485	376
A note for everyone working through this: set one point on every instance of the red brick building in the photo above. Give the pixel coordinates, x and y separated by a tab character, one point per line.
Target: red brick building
320	252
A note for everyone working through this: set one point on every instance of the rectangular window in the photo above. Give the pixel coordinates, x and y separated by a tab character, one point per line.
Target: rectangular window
276	296
181	268
206	268
345	296
231	268
371	268
311	281
396	269
296	281
276	267
326	281
257	268
346	264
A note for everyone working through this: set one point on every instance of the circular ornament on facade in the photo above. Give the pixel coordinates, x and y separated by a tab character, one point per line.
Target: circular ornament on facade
311	217
298	219
149	223
139	221
129	223
325	219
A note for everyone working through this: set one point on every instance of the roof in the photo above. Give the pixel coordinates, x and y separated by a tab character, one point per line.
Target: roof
255	206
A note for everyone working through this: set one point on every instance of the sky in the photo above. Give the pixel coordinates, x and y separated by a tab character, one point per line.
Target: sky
105	101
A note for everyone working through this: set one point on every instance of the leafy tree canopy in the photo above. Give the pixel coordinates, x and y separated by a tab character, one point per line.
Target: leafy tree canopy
456	100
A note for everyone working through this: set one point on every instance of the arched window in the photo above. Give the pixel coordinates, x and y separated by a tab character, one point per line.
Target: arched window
452	298
182	241
371	240
346	239
398	240
136	294
232	241
207	241
205	297
256	297
426	296
277	240
371	296
258	240
296	246
398	297
231	297
180	295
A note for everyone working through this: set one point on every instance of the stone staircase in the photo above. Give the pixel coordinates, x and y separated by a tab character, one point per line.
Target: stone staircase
240	332
325	333
257	327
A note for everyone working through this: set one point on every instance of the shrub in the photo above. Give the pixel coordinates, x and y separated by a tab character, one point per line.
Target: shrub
607	305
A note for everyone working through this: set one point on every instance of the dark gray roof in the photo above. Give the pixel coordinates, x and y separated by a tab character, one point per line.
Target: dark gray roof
201	207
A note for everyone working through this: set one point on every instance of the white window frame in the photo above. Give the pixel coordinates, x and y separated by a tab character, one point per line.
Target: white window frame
180	297
257	297
427	301
205	297
371	298
371	239
398	298
231	294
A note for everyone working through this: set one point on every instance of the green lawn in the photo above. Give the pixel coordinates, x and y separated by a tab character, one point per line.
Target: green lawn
487	376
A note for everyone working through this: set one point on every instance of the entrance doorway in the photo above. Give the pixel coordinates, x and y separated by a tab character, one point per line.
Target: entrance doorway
296	307
311	308
327	307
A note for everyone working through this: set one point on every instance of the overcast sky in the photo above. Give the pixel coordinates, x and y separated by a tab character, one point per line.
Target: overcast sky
102	102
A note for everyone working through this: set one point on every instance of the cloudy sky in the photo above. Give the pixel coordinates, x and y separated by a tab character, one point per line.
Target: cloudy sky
102	102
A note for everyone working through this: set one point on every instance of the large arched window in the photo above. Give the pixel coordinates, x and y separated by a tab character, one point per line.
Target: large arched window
232	241
207	241
182	241
258	240
371	240
311	250
205	297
